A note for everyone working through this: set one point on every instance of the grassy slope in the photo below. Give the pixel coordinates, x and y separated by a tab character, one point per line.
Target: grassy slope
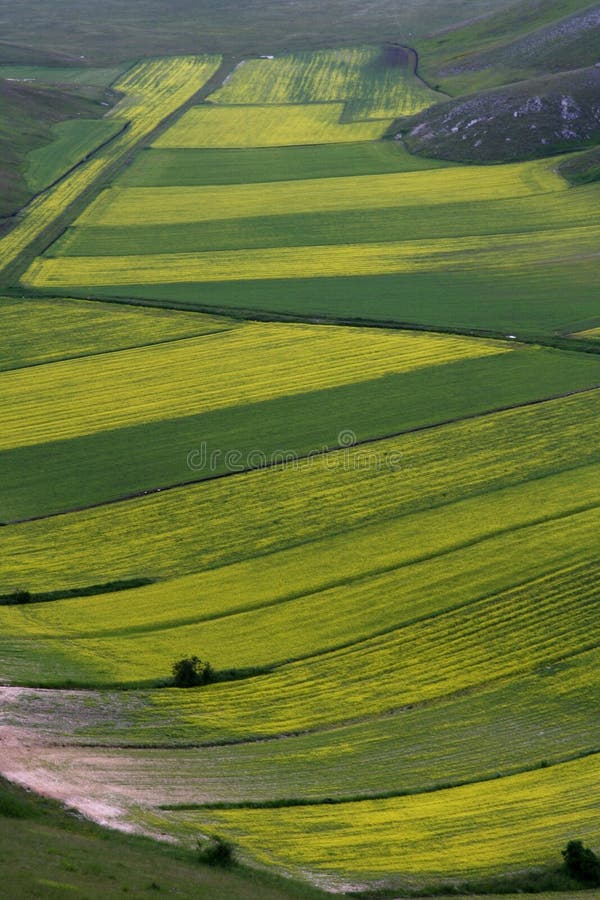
75	858
29	112
584	168
518	42
116	33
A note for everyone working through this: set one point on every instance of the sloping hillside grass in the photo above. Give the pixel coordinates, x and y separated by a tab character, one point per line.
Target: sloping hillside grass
117	33
519	121
74	857
522	41
29	112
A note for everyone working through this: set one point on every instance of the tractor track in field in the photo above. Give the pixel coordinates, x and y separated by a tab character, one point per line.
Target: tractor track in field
275	466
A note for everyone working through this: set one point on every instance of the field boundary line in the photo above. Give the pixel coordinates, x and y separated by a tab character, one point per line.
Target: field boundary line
61	359
351	580
382	795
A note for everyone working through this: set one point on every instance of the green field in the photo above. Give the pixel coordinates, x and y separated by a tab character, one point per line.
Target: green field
404	247
176	168
51	469
74	141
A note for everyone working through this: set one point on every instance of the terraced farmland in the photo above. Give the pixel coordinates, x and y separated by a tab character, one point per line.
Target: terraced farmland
153	90
383	539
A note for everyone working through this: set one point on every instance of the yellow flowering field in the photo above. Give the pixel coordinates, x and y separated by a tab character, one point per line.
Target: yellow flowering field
229	520
379	83
513	822
499	252
214	371
265	126
411	603
169	205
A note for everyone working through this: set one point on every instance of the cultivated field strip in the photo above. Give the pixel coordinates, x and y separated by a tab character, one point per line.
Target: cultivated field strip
544	509
558	210
131	460
265	126
379	83
190	529
121	206
498	253
40	331
215	371
163	168
546	716
154	89
309	625
512	820
512	632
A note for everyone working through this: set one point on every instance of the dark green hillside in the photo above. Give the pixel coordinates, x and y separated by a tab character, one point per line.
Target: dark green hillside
27	113
531	118
584	168
521	42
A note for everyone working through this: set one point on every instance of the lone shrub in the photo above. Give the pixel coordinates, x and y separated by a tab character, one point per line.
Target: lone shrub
215	851
192	672
582	863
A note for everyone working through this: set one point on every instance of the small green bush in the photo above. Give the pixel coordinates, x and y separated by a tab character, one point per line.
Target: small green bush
13	806
582	863
192	672
215	851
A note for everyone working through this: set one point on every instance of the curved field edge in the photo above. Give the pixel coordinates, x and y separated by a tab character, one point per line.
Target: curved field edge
514	820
